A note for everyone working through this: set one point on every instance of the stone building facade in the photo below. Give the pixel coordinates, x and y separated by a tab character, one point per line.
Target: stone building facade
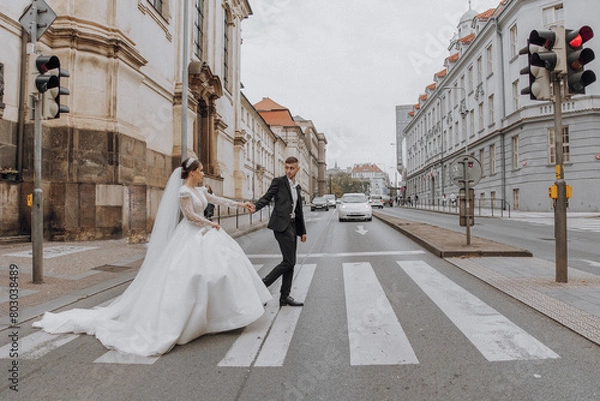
106	162
474	106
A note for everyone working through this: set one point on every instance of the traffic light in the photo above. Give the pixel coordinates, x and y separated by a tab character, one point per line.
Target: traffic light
45	74
541	61
577	58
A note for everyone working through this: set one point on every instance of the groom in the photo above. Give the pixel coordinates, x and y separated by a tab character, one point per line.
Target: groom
287	223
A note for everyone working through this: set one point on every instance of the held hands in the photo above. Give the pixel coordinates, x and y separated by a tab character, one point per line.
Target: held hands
249	206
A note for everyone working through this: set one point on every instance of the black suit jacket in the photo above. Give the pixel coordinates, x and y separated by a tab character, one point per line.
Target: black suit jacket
281	193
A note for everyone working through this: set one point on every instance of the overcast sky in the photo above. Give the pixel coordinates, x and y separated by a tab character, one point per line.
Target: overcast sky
346	64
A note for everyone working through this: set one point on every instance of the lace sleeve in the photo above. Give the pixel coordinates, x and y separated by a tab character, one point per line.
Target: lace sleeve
217	200
187	208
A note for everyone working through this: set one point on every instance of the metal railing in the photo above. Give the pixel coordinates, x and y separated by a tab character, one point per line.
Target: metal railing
483	206
241	219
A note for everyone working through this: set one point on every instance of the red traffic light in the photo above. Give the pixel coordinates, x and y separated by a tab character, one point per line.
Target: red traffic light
47	63
577	58
576	39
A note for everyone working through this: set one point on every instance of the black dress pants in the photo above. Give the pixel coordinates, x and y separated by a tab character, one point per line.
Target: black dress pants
288	242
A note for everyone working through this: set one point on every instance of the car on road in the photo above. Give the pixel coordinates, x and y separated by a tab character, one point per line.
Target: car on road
377	201
331	199
355	206
319	203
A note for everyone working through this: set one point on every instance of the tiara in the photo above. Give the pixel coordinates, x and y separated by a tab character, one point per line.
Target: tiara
189	162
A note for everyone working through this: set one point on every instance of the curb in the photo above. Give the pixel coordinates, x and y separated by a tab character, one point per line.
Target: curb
453	244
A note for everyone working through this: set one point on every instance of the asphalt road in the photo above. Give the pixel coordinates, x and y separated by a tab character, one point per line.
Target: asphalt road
383	320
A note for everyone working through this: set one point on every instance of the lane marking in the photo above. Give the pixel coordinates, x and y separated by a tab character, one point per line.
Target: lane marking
496	337
361	230
37	344
375	334
277	343
337	255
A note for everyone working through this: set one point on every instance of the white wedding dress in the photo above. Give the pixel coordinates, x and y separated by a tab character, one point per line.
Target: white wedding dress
194	280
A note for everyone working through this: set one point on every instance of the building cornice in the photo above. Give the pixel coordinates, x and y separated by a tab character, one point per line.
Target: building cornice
82	35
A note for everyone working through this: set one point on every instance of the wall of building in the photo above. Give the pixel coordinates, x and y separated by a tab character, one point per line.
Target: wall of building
105	163
439	132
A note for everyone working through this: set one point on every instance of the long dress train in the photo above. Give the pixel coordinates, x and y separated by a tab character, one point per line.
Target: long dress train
200	282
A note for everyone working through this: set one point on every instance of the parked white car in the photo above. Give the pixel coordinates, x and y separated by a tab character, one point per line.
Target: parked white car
355	206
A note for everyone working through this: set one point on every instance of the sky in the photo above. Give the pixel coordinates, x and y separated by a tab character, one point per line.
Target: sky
346	64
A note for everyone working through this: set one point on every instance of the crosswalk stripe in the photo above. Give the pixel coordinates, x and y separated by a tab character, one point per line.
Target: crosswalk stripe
116	357
337	255
375	334
274	349
37	344
496	337
246	347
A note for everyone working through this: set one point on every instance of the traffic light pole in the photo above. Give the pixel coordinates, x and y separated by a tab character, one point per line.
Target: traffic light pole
560	207
37	211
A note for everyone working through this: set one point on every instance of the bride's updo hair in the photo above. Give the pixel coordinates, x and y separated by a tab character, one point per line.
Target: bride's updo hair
190	164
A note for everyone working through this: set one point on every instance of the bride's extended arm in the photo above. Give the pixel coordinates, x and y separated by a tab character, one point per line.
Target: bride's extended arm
188	211
212	198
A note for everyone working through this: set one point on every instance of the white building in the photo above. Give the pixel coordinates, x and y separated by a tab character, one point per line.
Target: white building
474	107
106	162
371	173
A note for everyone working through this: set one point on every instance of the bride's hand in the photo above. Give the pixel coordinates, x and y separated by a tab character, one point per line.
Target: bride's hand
216	225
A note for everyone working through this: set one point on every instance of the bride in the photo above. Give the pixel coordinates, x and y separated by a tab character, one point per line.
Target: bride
195	279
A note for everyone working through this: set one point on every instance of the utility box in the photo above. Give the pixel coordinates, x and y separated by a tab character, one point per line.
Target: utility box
553	191
466	213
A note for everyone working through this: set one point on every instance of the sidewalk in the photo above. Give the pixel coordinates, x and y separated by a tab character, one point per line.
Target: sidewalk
77	270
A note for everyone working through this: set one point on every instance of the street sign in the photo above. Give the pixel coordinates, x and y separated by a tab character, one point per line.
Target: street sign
37	18
465	168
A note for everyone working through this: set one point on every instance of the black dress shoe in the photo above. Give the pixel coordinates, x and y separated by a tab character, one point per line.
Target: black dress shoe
289	301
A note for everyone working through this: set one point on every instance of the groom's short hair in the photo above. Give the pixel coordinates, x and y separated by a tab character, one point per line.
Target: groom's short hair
291	160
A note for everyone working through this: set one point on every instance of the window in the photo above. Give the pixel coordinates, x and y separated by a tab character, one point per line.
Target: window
482	161
158	5
492	159
470	78
516	199
552	146
553	15
226	50
514	41
199	28
490	60
479	70
1	87
481	117
515	152
515	95
491	118
471	124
